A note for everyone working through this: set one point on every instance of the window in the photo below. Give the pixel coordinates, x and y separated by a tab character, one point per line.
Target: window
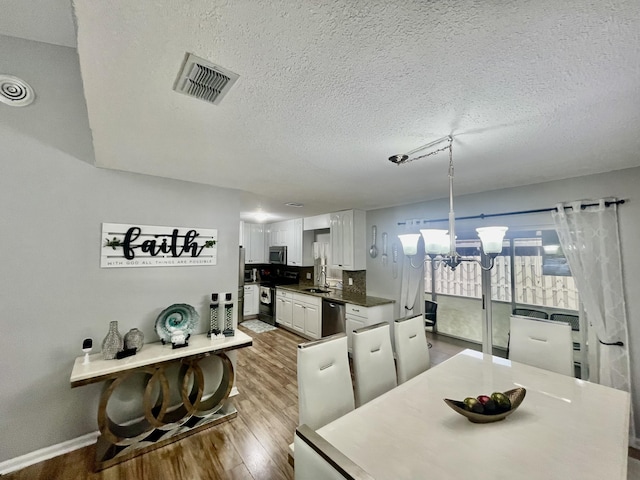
532	287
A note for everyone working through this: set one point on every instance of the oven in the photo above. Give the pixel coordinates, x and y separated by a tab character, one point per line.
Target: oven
267	308
267	292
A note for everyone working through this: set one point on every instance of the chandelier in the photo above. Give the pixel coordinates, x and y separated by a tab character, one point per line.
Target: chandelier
440	245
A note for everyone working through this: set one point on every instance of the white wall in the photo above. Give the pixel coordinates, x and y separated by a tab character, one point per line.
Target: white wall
621	184
52	291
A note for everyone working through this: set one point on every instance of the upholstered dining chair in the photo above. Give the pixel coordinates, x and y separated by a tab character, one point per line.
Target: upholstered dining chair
325	391
412	351
317	459
541	343
374	369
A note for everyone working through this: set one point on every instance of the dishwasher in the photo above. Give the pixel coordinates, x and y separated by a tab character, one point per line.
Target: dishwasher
333	317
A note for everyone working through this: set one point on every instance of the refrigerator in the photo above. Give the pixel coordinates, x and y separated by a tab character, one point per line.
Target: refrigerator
240	303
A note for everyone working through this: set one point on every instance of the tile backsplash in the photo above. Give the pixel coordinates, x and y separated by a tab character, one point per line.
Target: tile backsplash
359	278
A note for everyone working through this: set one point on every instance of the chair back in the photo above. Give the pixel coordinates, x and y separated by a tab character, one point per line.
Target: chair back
325	391
529	312
542	344
412	350
572	320
373	366
430	311
317	459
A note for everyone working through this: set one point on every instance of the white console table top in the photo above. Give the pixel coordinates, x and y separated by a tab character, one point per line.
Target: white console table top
152	353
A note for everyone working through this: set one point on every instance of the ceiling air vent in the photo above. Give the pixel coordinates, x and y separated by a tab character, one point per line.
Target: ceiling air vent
202	79
15	92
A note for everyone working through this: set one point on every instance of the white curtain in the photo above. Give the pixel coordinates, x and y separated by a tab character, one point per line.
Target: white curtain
590	241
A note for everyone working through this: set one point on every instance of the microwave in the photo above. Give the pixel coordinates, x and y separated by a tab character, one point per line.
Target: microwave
278	255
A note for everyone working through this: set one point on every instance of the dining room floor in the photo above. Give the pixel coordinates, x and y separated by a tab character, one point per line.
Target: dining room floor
254	445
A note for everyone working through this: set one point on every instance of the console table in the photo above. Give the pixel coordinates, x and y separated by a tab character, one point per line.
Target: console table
162	421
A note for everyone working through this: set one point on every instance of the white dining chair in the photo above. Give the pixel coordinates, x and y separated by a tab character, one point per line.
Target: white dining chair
412	349
374	369
325	391
541	343
317	459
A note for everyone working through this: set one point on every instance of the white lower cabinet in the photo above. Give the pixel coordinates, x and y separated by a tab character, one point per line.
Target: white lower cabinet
299	312
359	317
307	315
251	300
284	308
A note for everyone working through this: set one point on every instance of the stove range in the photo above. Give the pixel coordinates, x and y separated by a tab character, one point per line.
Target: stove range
268	284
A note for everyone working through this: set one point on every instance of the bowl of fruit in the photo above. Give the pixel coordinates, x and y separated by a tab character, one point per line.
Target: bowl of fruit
488	408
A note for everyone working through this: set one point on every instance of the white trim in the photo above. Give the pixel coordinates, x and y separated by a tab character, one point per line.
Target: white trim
234	392
46	453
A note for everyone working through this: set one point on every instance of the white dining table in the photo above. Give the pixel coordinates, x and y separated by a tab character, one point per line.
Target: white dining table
565	428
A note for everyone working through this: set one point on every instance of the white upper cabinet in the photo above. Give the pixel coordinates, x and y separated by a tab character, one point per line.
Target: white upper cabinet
294	250
348	240
253	242
290	233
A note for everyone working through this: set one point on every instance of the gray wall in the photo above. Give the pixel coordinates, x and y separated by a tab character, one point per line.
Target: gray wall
622	184
52	291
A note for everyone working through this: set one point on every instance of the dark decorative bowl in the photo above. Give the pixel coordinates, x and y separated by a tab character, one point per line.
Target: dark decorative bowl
516	396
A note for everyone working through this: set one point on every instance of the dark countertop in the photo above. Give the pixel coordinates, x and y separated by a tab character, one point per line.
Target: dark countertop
339	296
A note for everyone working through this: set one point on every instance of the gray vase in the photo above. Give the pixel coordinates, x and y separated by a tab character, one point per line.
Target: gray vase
113	342
134	338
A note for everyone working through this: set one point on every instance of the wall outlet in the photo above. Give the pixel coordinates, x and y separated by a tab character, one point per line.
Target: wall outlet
308	276
350	281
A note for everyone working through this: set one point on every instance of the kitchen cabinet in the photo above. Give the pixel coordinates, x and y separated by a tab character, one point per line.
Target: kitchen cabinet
253	242
299	312
279	233
358	317
251	300
307	315
284	308
290	233
348	240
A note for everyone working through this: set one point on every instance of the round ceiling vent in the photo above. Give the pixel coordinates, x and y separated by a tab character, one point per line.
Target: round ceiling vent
15	92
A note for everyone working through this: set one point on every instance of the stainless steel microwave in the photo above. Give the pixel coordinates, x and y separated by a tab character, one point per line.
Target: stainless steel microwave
278	255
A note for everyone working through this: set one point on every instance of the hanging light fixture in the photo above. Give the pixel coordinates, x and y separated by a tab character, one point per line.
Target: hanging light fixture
440	245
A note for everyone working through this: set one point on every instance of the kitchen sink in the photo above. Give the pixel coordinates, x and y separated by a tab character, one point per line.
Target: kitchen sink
316	290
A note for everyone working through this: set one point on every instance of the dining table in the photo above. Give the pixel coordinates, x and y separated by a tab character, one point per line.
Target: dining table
565	428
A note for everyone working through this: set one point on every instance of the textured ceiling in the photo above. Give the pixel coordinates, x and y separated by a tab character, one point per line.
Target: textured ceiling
530	91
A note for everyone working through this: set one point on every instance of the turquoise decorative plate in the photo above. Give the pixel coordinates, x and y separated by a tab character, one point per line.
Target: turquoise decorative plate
179	318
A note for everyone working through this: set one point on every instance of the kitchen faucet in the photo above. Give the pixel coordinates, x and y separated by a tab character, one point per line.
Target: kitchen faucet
322	281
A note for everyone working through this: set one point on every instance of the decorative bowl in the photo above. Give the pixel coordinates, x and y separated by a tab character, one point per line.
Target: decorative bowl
176	320
516	396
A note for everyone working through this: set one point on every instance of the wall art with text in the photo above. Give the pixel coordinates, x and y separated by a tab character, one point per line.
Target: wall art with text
148	246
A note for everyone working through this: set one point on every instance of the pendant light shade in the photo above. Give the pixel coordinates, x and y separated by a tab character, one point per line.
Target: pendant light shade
491	238
409	243
436	242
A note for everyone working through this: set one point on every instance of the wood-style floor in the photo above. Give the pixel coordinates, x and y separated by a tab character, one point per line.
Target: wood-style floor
254	445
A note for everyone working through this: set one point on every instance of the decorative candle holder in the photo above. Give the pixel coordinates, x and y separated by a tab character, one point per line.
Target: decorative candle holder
228	317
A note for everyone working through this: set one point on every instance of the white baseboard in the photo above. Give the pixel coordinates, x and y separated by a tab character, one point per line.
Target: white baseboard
46	453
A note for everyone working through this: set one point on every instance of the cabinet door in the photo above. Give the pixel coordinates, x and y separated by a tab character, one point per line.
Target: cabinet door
335	238
298	317
294	252
284	311
248	301
351	324
256	249
312	321
346	222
